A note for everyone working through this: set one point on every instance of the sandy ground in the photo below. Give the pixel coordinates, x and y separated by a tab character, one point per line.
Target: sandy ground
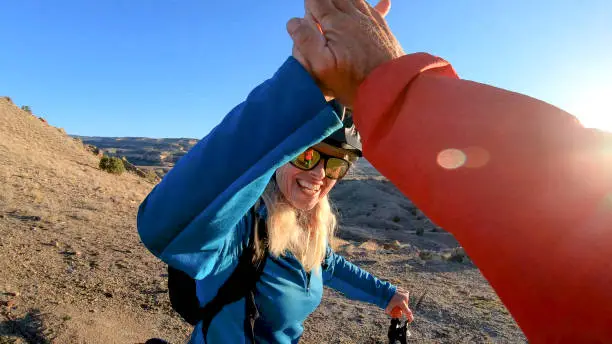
73	269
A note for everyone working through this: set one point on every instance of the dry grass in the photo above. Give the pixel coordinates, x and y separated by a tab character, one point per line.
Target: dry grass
55	202
370	246
46	169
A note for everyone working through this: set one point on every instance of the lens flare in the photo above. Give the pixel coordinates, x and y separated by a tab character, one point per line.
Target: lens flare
608	201
451	158
477	157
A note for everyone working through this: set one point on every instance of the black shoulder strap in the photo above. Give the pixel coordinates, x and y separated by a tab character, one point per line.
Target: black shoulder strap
183	297
241	283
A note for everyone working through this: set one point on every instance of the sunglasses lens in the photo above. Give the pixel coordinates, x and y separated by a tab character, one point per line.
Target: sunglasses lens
307	160
336	168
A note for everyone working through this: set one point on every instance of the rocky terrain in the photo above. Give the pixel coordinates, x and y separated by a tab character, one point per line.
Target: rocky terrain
74	270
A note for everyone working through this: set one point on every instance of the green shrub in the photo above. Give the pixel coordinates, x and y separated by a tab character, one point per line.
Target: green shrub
26	109
112	165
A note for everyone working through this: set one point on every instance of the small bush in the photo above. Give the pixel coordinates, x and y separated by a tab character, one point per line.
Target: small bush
112	165
420	231
396	219
458	255
26	108
8	99
151	176
426	255
90	148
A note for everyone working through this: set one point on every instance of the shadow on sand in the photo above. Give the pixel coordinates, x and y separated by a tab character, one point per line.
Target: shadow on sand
30	328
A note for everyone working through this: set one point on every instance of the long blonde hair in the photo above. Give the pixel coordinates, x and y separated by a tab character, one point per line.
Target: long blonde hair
303	233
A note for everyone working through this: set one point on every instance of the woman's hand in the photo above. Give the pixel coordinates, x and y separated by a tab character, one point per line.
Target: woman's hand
398	305
341	41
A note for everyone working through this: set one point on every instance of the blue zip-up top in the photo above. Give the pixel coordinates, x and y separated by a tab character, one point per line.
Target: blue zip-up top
196	219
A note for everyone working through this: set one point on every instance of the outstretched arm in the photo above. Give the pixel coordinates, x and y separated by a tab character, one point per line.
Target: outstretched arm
521	184
354	282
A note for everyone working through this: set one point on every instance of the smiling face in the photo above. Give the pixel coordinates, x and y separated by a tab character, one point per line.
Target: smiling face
304	189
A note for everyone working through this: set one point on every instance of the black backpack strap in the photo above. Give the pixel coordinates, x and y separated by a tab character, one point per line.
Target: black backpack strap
183	297
241	283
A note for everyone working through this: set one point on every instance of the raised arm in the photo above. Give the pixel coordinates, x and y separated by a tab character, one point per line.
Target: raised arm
188	216
521	184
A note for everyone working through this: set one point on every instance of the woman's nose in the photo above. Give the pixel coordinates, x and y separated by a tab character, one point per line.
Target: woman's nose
319	171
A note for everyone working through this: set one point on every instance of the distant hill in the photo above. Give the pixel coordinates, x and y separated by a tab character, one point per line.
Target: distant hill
160	155
156	154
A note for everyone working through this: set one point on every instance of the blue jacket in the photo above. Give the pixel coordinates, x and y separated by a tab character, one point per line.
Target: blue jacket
197	220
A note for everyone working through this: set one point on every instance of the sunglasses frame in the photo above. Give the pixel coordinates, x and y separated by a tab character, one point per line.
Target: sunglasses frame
324	157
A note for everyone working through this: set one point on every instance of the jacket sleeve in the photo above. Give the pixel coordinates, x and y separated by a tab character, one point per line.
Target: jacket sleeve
521	184
187	218
354	282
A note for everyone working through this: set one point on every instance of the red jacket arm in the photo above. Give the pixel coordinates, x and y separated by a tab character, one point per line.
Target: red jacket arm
521	184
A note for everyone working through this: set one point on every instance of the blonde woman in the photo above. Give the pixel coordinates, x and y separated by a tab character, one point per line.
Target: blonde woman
274	157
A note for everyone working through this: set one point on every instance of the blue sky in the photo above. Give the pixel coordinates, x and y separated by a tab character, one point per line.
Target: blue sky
170	68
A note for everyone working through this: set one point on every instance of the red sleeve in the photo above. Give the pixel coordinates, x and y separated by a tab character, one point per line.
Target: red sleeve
521	184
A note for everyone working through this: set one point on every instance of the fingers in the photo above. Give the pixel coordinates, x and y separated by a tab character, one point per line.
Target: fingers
293	24
361	5
378	13
399	305
401	308
383	7
407	312
309	48
306	37
320	8
312	21
346	6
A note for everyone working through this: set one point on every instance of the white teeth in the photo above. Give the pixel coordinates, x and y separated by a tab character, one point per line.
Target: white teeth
308	185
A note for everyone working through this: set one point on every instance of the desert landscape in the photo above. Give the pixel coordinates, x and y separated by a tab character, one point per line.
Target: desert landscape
157	155
73	269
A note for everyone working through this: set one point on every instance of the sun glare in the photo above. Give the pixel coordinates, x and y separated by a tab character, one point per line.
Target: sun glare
595	110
